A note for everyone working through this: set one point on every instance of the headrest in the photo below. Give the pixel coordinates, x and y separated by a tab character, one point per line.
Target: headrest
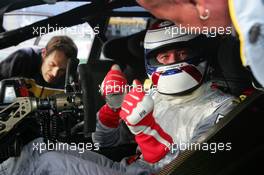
126	50
230	67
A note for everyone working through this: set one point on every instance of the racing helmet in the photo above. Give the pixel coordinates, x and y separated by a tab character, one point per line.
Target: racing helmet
181	76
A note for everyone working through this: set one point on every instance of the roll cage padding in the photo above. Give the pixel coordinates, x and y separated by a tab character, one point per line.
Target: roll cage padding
97	71
128	51
228	67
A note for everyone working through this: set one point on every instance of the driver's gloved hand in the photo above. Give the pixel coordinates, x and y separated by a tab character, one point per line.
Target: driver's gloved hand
137	112
113	89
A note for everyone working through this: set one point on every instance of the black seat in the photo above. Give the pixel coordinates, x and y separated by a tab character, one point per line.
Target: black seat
228	68
242	128
95	72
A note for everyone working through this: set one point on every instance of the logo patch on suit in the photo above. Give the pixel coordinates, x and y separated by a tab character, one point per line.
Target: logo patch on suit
219	117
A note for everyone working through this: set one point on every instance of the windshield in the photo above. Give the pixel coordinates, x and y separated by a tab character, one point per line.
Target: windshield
26	16
124	26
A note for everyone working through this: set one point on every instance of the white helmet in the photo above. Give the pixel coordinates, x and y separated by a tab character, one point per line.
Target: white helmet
181	76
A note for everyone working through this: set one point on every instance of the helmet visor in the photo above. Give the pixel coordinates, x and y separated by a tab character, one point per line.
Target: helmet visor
171	56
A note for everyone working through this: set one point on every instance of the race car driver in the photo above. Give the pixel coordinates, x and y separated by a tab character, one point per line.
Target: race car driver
246	17
182	106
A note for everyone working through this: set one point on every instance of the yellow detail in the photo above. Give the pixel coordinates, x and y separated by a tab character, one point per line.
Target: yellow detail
40	91
242	97
126	21
237	27
147	84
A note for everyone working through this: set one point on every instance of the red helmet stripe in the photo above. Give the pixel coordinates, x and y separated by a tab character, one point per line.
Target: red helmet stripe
195	73
155	78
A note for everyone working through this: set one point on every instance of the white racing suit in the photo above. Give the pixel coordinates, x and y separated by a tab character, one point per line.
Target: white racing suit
184	118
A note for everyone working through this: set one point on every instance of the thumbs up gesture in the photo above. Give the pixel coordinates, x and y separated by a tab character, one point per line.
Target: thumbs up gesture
113	87
137	112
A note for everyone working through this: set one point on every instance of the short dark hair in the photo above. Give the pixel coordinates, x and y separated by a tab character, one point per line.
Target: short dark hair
64	44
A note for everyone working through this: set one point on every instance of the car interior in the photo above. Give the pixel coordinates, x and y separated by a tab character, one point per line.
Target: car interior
242	126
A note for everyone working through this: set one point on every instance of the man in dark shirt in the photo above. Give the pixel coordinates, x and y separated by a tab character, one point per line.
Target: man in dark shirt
46	66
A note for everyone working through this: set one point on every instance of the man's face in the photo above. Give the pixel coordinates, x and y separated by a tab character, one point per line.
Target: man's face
53	66
172	56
